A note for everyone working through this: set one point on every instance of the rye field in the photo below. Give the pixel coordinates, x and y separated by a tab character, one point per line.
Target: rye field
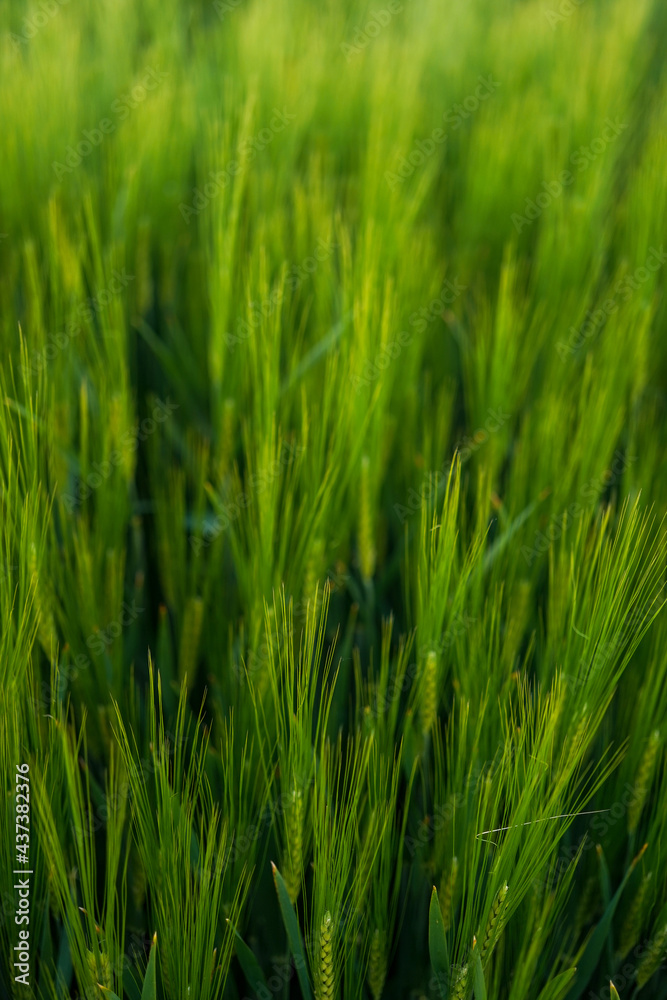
333	423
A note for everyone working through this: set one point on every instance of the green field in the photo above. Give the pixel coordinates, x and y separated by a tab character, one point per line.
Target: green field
333	404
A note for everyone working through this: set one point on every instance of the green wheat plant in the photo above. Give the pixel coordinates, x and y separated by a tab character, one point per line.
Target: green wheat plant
333	552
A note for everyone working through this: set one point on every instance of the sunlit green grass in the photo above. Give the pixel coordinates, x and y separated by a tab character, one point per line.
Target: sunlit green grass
332	485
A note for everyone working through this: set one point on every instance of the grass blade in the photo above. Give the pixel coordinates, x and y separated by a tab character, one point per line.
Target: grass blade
437	944
293	933
557	987
479	986
149	989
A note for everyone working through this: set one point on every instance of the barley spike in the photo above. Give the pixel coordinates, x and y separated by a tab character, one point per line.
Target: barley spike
326	978
366	546
460	984
631	928
446	894
653	957
294	829
429	707
377	966
46	629
643	781
493	927
192	623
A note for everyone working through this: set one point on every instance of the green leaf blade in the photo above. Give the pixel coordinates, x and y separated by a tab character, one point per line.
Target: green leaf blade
293	933
437	945
251	967
149	990
478	984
